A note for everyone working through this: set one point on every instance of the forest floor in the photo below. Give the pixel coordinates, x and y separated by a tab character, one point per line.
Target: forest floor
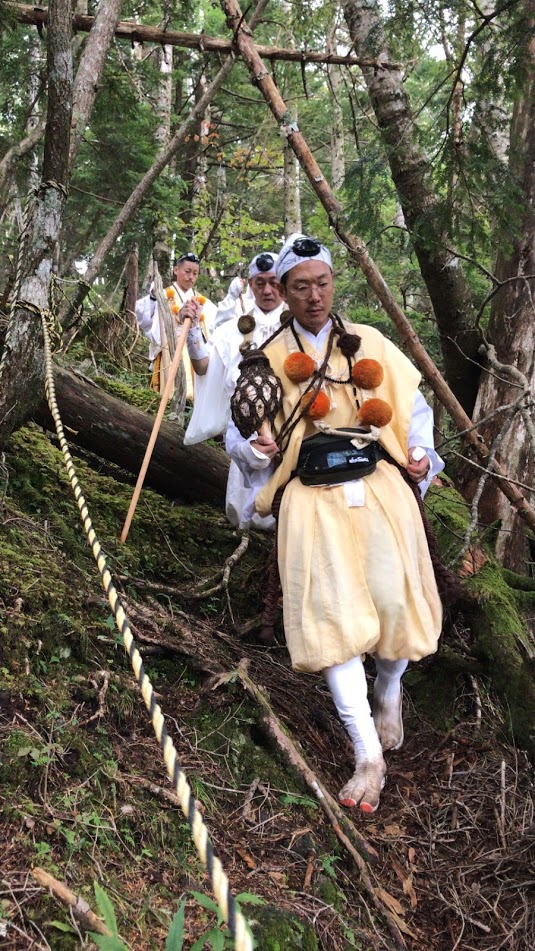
82	782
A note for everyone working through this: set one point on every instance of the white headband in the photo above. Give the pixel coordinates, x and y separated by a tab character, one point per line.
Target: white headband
298	249
263	257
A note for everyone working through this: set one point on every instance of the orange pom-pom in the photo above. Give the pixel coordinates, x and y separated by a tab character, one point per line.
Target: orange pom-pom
316	407
375	413
200	299
175	308
298	367
169	292
367	374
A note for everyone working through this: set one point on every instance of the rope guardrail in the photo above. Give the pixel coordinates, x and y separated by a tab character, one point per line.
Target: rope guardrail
231	913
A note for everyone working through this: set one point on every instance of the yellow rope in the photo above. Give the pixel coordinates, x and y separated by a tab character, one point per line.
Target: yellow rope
218	880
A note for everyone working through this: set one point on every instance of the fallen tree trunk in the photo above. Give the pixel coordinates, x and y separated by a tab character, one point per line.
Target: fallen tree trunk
116	431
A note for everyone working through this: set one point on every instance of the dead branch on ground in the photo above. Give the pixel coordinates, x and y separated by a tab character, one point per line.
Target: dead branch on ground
81	910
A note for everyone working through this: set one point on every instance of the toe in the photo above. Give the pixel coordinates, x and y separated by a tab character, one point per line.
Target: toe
364	787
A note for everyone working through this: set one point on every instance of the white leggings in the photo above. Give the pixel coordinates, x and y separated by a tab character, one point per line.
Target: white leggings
347	683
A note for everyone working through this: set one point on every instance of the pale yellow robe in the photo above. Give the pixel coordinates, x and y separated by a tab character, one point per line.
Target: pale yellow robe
355	579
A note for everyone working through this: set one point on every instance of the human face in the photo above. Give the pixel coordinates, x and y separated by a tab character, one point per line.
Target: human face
186	274
309	293
266	290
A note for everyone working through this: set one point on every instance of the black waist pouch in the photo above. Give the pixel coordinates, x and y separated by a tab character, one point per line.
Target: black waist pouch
326	460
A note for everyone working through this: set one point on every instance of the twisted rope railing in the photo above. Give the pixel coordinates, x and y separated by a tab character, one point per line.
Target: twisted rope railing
230	911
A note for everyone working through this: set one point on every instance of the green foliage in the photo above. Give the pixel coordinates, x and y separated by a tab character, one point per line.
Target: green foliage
112	943
175	938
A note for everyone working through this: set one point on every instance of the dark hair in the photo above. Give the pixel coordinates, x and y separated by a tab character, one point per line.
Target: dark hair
187	256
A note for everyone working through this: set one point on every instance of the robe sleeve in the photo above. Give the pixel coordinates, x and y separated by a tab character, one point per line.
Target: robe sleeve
421	434
211	407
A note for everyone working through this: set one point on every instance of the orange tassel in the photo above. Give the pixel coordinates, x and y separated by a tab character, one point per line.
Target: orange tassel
200	299
175	308
169	292
375	413
368	374
298	367
316	407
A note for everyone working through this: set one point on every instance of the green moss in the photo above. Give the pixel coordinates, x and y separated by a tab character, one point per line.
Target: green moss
449	516
500	633
277	930
140	396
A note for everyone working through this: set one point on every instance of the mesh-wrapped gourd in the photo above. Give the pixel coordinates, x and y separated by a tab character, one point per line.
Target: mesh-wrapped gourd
257	397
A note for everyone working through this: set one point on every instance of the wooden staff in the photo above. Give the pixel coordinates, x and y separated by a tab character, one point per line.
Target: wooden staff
156	428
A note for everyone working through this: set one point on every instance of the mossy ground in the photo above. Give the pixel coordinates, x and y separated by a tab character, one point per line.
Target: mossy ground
75	784
72	797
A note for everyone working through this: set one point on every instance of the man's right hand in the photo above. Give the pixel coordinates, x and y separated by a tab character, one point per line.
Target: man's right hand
236	287
191	309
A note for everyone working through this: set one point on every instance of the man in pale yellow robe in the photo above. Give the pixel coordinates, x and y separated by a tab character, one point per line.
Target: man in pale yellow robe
354	562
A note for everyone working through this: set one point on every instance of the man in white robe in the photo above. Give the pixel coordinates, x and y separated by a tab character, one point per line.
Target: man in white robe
181	290
355	567
218	372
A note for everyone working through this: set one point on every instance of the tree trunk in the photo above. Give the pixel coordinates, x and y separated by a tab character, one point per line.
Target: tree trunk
334	76
114	430
132	287
512	327
90	69
292	198
441	270
292	192
140	191
134	32
22	365
162	252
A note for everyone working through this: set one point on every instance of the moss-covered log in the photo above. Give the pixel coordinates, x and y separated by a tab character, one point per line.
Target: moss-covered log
117	431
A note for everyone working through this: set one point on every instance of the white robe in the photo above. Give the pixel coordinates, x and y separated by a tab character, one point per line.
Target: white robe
211	411
148	319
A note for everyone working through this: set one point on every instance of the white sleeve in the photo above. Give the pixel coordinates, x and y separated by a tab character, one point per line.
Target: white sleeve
255	467
227	309
231	308
421	434
145	308
211	404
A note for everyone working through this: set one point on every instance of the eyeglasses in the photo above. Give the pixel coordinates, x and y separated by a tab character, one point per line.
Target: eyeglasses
323	288
265	262
189	256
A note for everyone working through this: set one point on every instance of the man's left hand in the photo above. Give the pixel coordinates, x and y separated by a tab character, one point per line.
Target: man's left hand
418	470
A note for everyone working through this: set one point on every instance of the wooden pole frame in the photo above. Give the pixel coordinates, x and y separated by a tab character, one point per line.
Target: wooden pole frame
138	33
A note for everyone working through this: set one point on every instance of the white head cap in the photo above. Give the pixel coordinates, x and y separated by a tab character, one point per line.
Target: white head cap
298	249
263	263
